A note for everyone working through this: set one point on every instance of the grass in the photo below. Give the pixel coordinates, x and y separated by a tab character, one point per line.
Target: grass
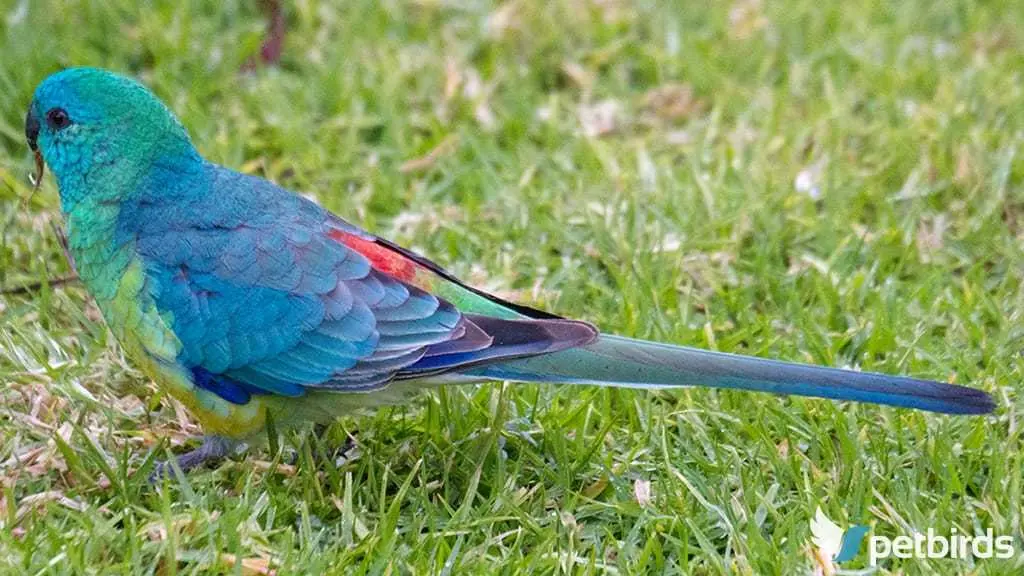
832	183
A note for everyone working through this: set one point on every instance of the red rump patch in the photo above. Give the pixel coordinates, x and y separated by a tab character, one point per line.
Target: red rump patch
380	257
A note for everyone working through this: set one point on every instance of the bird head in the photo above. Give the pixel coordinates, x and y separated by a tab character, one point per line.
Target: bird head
88	124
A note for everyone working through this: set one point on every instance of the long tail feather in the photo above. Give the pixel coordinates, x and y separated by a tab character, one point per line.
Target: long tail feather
623	362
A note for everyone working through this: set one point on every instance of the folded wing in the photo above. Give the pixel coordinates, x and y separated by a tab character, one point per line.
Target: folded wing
281	305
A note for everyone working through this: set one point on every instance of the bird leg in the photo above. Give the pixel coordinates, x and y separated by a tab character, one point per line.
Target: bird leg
213	450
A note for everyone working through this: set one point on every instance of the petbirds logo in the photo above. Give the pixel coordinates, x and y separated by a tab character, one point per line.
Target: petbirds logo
835	544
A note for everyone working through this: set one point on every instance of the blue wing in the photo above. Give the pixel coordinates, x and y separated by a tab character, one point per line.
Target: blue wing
264	301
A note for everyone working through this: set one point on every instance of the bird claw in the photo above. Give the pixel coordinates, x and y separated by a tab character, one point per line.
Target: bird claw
213	450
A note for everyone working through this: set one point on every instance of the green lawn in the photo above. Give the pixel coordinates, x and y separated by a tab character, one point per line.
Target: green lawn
803	180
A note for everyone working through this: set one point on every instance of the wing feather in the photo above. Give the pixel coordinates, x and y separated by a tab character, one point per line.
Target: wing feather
269	295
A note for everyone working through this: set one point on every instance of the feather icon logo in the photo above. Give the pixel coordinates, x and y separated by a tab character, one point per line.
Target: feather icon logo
835	544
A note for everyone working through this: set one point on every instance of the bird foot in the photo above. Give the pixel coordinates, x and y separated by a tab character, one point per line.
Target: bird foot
213	450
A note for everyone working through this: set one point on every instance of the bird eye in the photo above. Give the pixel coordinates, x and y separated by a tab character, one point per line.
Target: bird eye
58	119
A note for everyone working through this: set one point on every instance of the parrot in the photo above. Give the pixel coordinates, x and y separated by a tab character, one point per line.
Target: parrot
257	308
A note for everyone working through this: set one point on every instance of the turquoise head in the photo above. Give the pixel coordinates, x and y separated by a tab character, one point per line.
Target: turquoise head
97	130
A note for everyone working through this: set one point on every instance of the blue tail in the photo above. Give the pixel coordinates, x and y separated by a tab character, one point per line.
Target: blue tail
627	363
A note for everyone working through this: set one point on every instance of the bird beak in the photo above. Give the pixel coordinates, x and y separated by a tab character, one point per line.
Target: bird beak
32	135
37	177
